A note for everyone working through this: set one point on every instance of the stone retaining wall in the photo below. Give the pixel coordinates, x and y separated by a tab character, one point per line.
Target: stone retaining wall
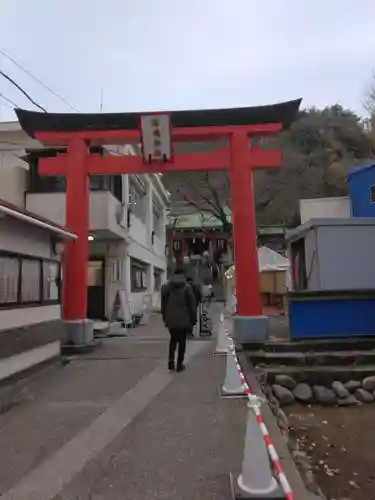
353	392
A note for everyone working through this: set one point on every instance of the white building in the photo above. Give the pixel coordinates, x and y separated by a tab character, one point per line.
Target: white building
127	221
325	208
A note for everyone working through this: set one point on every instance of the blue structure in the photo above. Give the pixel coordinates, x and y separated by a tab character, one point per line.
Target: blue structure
315	315
361	184
333	263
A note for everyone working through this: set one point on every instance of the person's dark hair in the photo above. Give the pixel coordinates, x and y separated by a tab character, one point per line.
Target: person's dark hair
179	271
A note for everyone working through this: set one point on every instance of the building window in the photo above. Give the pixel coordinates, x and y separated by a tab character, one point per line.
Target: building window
9	279
57	183
51	280
136	203
30	277
158	274
157	217
95	273
372	194
138	274
28	280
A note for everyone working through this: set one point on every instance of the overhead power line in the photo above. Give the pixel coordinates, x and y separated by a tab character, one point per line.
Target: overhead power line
8	100
25	70
6	104
21	90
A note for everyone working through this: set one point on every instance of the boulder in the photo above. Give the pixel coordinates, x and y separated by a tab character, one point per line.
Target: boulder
368	383
282	420
303	393
339	389
324	396
286	381
351	400
364	396
284	395
352	385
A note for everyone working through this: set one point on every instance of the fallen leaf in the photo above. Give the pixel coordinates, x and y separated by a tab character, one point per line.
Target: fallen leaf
354	485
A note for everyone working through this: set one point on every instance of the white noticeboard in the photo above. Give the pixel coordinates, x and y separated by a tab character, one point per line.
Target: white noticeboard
156	137
125	307
121	307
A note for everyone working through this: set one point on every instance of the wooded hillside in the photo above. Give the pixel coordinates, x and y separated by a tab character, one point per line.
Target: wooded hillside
318	150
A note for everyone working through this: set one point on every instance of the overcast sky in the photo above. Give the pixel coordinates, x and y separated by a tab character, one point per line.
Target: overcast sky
186	54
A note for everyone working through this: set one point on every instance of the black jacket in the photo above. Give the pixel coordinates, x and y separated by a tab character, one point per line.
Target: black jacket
178	306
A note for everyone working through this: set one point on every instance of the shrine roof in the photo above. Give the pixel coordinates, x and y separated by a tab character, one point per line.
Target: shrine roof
34	121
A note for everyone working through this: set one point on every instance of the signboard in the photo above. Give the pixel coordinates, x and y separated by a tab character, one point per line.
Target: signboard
121	308
156	137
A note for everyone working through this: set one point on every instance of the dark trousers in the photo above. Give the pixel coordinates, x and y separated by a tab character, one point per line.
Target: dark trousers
178	338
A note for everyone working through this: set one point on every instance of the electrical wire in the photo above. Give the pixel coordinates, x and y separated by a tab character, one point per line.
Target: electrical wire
6	104
8	100
10	58
7	77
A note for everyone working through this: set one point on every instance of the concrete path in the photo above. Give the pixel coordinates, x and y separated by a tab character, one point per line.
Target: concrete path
116	425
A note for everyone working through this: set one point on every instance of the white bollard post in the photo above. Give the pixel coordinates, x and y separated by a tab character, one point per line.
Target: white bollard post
222	338
232	384
256	480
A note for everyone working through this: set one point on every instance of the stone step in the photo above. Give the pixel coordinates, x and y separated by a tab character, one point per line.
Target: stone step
344	344
320	358
319	375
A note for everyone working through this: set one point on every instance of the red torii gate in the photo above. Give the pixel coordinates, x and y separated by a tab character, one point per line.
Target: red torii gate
78	132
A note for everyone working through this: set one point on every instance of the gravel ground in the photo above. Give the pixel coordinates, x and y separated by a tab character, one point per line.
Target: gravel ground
341	445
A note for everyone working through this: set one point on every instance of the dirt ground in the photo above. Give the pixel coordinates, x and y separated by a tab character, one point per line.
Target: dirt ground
341	445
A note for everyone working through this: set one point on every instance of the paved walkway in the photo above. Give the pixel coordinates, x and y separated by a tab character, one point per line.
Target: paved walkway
116	425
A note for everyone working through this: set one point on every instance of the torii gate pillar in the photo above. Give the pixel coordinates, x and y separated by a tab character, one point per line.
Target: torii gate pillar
240	125
249	323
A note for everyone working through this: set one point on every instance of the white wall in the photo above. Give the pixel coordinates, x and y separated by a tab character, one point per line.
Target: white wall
13	170
135	242
320	208
103	206
18	236
13	178
21	362
113	252
140	245
19	317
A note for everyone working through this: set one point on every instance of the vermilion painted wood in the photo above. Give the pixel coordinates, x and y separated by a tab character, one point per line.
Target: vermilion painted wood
218	160
77	220
244	228
78	164
180	134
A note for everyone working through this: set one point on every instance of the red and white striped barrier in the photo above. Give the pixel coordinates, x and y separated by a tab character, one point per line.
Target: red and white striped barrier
255	406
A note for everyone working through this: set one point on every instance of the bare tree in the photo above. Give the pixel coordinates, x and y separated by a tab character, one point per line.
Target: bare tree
211	194
369	98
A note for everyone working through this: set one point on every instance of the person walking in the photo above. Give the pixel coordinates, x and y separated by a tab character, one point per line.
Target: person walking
206	295
179	312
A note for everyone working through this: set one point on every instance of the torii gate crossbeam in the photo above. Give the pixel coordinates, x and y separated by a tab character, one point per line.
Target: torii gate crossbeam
241	158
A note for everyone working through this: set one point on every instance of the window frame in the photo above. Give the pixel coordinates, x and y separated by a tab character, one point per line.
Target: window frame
41	301
143	270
